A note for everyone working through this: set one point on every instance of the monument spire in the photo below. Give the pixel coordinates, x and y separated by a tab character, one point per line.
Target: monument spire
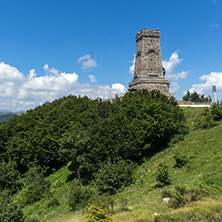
149	73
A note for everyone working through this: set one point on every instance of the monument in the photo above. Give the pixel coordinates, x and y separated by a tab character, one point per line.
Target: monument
148	72
214	94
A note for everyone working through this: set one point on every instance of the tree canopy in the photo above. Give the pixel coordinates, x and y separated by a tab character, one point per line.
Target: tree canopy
90	132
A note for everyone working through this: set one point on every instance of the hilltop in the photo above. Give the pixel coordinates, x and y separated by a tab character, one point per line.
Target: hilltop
142	201
127	188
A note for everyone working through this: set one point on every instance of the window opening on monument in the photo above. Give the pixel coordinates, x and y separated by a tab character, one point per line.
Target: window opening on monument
152	60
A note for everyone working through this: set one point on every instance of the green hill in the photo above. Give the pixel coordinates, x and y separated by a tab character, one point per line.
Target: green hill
125	157
142	201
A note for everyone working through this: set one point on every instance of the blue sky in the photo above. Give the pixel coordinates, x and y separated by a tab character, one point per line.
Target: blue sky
53	48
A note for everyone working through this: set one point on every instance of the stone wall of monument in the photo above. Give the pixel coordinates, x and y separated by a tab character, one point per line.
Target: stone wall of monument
148	72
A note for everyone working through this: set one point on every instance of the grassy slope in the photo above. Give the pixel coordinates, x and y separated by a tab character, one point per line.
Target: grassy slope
203	147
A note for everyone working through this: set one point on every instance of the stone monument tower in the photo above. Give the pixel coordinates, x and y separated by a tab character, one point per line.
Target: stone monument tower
149	73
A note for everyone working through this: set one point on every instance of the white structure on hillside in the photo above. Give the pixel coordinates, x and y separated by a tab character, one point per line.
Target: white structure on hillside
214	94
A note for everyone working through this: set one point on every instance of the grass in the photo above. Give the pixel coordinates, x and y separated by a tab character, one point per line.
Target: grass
203	150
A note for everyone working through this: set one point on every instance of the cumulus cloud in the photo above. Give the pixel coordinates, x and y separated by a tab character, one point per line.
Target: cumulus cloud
9	73
207	82
172	63
120	89
34	90
174	87
177	76
87	62
92	78
132	67
170	67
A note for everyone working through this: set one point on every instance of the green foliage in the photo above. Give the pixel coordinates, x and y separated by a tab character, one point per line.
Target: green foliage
79	196
162	175
31	219
88	133
213	180
36	186
207	121
182	195
9	176
98	214
144	124
186	97
9	210
104	201
194	97
180	160
54	202
216	111
113	176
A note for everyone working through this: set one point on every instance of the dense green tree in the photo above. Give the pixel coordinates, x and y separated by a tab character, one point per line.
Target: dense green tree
112	176
9	176
89	132
9	210
186	97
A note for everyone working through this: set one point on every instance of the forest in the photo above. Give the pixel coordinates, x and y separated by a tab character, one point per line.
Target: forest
100	141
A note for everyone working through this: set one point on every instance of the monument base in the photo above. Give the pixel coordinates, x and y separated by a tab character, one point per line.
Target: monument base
160	83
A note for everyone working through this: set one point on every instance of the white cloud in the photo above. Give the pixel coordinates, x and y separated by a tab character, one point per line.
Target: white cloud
7	90
9	73
170	67
177	76
174	87
34	90
87	62
131	69
120	89
92	78
208	81
172	63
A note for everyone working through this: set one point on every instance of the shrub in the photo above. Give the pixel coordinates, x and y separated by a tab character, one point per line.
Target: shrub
9	176
208	119
162	175
216	111
112	176
181	195
213	180
98	214
9	210
79	196
104	201
35	192
53	203
36	186
181	160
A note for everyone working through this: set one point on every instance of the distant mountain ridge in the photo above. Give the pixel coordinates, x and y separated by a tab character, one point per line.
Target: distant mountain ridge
8	111
6	116
5	111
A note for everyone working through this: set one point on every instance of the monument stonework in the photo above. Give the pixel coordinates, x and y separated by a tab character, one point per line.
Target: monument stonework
148	72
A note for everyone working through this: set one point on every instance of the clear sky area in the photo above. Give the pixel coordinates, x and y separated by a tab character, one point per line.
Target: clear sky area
53	48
